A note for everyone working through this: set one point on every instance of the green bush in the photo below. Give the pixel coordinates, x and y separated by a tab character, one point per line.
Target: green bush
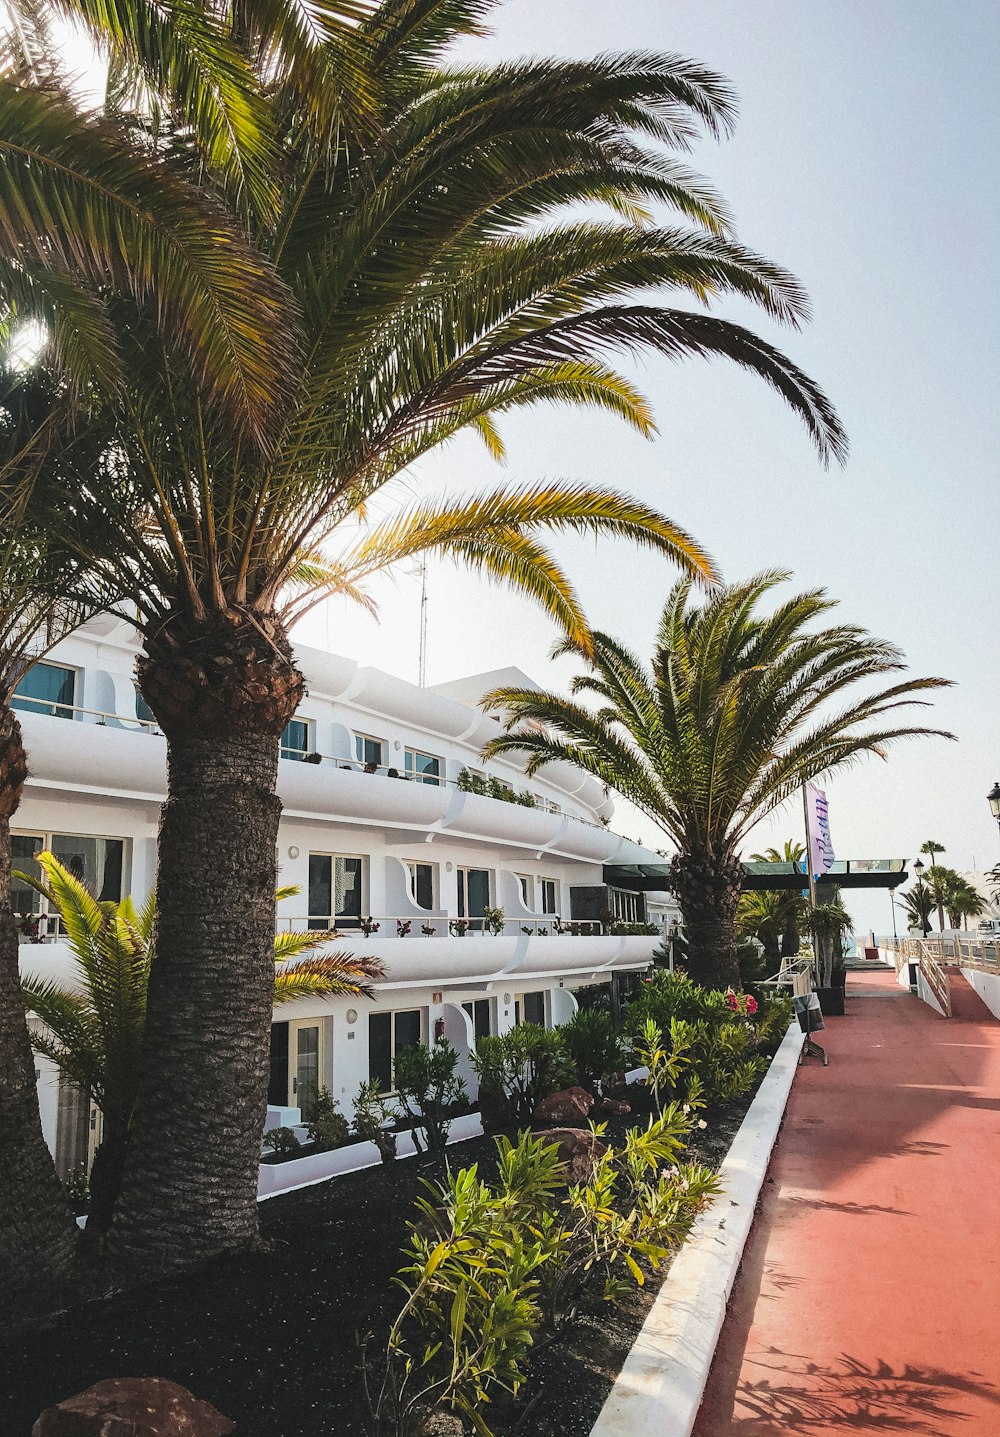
282	1142
594	1045
371	1113
327	1128
429	1091
524	1065
489	1267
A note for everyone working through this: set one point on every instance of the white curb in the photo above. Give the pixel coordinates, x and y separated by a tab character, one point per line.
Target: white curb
660	1387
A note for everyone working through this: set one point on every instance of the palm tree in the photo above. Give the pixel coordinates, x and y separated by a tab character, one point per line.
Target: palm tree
933	849
761	915
93	1031
434	288
795	906
918	903
963	901
729	722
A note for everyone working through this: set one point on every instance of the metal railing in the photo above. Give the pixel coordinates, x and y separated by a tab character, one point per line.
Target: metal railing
438	926
929	955
102	717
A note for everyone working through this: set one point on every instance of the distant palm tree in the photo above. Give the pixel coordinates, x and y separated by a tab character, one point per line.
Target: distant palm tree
93	1031
918	903
726	726
963	902
933	848
795	906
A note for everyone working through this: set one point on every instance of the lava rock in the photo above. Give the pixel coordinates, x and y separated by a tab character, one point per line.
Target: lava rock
613	1105
133	1407
579	1150
569	1108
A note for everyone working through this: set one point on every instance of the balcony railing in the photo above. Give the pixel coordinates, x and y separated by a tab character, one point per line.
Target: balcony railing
439	926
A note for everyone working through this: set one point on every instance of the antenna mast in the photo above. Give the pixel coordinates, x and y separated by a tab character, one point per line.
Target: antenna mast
422	663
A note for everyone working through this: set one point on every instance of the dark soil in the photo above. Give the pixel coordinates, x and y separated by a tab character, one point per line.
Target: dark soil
271	1338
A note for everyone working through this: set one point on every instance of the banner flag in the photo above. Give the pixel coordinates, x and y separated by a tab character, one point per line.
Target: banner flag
821	854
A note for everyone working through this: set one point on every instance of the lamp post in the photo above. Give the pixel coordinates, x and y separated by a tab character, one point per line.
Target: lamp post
918	869
993	799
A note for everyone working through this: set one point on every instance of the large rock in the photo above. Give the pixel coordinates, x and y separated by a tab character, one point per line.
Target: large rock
133	1407
578	1151
570	1108
613	1106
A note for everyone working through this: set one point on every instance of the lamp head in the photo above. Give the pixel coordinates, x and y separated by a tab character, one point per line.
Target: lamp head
993	799
918	869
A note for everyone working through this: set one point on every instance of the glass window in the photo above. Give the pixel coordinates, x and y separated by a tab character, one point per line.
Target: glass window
534	1008
96	862
473	892
46	689
550	895
387	1034
295	739
422	884
336	890
368	749
480	1011
527	890
424	767
23	847
143	711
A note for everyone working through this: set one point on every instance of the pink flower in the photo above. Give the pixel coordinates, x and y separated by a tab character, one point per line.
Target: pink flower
751	1004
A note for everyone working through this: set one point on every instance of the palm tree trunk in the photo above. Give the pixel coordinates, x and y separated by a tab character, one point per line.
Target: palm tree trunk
36	1228
708	890
190	1183
106	1175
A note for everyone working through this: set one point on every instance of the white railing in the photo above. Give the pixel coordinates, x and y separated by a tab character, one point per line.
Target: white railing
929	954
102	717
441	926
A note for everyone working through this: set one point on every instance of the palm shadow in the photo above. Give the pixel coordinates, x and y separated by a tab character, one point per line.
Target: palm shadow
810	1398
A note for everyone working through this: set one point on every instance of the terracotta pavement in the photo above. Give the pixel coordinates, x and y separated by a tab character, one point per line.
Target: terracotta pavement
869	1297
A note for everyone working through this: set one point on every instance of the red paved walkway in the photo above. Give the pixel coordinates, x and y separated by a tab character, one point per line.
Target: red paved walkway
869	1298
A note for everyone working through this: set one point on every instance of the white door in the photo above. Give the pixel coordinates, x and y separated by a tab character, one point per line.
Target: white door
305	1071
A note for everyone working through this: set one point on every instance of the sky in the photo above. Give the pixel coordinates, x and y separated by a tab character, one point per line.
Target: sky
864	161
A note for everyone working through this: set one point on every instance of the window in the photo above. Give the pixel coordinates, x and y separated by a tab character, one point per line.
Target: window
422	884
530	1008
626	906
388	1033
143	712
527	887
368	749
295	739
423	767
550	895
480	1010
98	863
336	890
46	689
473	892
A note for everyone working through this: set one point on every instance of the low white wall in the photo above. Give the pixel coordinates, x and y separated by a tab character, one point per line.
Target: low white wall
275	1178
926	992
987	985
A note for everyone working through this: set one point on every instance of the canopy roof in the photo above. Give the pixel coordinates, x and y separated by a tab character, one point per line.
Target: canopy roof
848	873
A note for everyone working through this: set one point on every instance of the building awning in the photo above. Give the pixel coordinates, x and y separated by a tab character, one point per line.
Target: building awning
847	873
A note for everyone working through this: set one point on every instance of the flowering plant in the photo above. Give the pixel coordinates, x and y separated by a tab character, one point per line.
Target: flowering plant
403	926
745	1004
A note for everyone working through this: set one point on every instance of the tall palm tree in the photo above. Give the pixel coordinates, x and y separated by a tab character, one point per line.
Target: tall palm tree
93	1030
918	903
728	723
963	901
435	286
933	848
795	906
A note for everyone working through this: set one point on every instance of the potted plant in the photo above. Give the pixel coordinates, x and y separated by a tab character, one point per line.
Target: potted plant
828	922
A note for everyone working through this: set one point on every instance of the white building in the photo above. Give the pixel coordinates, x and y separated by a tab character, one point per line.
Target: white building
379	828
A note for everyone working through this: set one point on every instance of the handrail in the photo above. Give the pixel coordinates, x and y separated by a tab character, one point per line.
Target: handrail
102	715
929	955
444	925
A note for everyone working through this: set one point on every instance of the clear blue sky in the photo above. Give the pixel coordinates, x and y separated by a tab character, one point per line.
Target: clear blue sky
865	161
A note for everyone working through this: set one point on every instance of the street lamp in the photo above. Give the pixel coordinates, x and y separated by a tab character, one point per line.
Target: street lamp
918	869
993	799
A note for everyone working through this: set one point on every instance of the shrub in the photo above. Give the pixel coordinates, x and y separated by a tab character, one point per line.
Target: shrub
490	1266
594	1045
494	920
429	1091
370	1116
525	1065
326	1126
635	930
76	1185
282	1142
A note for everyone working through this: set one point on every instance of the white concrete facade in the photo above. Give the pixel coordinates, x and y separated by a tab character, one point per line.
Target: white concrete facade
98	772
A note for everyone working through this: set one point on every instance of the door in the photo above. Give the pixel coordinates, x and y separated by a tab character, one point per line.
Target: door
305	1050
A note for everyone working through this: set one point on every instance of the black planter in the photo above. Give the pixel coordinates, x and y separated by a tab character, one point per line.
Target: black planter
838	978
831	1001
